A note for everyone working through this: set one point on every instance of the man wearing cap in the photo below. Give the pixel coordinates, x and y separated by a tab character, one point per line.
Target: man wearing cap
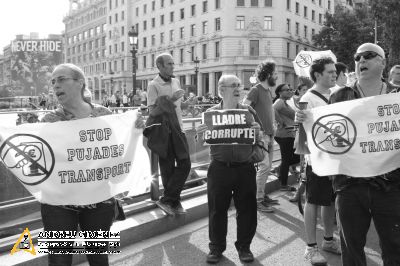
378	197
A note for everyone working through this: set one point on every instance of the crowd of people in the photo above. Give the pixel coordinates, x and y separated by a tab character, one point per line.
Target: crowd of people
232	174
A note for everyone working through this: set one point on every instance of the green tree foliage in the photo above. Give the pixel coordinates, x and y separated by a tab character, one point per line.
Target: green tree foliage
344	31
387	13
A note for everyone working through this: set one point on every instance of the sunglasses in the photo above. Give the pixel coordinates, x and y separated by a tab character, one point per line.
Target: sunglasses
367	55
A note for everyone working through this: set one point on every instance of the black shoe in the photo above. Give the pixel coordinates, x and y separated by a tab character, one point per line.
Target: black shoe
214	257
270	201
245	255
178	209
166	207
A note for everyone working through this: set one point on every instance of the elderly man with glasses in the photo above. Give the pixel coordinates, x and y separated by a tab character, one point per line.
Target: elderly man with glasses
231	174
358	200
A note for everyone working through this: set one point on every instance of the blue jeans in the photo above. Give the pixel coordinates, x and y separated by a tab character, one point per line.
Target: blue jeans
59	218
357	204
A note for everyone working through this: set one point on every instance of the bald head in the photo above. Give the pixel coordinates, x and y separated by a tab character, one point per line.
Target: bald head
371	47
161	58
165	64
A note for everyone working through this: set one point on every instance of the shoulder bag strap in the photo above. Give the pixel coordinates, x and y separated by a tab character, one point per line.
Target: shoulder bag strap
319	95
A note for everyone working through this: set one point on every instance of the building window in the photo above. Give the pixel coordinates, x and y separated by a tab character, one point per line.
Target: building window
161	37
305	11
122	46
115	48
268	23
144	42
254	48
193	10
153	40
109	20
144	25
192	30
297	28
320	3
305	31
217	4
137	11
204	51
205	6
240	22
162	20
312	32
153	22
240	3
181	55
122	65
320	19
288	4
171	17
171	35
217	24
172	2
144	9
182	33
182	13
122	15
192	53
297	49
152	60
205	30
116	3
329	5
162	3
288	50
144	62
217	50
268	3
122	31
297	8
116	17
287	25
110	4
254	3
153	5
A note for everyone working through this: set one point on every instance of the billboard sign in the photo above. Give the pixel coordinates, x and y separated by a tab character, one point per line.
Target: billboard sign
32	62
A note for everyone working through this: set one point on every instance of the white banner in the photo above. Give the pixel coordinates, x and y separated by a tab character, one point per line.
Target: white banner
304	59
78	162
359	138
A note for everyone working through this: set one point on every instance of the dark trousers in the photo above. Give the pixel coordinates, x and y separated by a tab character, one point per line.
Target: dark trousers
174	173
356	205
223	183
58	218
288	157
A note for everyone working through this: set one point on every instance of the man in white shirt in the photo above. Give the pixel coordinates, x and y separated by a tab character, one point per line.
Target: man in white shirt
319	191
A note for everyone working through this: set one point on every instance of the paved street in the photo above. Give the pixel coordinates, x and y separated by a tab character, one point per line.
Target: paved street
279	241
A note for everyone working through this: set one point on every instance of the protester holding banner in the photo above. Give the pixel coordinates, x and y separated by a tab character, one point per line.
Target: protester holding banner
231	174
174	170
260	98
69	86
377	197
319	190
285	134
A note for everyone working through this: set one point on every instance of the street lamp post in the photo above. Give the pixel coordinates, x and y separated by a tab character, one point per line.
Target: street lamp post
133	40
196	71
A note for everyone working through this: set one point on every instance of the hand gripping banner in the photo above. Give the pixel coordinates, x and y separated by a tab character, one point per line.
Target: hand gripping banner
78	162
359	138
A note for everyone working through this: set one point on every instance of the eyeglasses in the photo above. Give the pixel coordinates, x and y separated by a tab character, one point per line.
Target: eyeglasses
233	85
60	80
287	90
367	55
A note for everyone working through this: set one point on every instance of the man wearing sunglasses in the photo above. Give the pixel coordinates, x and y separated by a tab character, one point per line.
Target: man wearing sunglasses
378	197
